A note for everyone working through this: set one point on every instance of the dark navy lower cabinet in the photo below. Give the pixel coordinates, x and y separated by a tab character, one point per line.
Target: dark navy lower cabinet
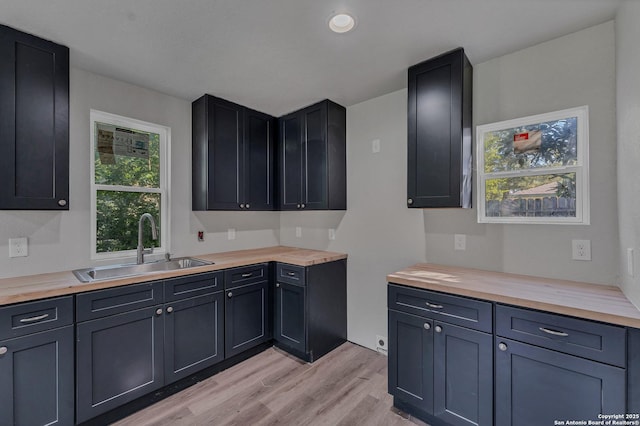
193	335
535	386
36	385
119	358
411	360
290	320
462	375
246	317
311	308
438	371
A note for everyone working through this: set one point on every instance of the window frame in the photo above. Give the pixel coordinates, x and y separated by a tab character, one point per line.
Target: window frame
581	168
164	133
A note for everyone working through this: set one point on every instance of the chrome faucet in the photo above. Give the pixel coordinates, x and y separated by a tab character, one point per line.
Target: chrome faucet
154	234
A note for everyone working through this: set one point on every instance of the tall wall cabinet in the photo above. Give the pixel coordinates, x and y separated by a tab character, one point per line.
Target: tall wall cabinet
312	158
34	122
439	132
232	156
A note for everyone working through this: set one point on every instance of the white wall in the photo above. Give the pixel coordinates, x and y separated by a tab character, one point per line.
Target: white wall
628	112
381	235
60	240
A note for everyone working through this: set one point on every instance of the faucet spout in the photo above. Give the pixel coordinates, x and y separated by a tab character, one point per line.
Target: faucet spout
154	235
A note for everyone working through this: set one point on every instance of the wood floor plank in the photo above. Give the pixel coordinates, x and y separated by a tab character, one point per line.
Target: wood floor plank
346	387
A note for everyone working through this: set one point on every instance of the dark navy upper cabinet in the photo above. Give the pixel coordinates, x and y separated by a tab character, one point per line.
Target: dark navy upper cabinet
36	363
34	122
232	156
439	132
312	158
311	308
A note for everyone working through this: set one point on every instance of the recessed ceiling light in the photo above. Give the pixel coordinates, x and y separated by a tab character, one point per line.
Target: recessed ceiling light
342	23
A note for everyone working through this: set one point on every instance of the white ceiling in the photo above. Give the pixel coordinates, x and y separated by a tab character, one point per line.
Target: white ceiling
279	55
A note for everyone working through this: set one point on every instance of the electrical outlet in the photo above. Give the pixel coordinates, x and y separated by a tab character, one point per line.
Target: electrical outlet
581	249
231	234
381	344
18	247
375	146
459	242
200	236
298	232
332	234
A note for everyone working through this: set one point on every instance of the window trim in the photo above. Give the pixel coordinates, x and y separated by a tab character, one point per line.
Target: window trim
581	168
164	133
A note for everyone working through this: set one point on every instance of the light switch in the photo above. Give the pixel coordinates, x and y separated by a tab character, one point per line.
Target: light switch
298	232
231	234
18	247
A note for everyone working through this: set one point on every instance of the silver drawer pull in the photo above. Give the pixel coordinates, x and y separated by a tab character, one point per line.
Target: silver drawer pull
503	346
247	275
431	305
291	274
427	326
3	350
554	332
438	329
34	319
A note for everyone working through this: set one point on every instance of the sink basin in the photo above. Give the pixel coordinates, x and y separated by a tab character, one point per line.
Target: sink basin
131	269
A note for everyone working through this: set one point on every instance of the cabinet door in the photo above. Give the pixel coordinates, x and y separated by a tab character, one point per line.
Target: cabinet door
246	317
538	386
411	360
290	162
119	358
463	375
34	122
37	379
439	133
314	157
225	181
258	169
290	318
194	335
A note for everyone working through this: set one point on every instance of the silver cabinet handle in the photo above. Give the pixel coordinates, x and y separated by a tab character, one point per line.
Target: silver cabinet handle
438	329
34	319
434	306
247	275
291	274
3	350
277	285
302	205
502	346
410	201
427	326
229	295
170	309
242	206
247	206
554	332
159	311
298	206
62	203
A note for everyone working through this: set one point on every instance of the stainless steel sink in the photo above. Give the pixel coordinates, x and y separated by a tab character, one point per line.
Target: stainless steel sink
131	269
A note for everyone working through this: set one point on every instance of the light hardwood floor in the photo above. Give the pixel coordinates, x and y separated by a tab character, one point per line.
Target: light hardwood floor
345	387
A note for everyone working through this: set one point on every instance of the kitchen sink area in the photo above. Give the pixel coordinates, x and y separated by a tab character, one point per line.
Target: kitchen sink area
98	273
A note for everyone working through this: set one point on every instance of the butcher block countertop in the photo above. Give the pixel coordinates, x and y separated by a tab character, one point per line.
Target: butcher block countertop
583	300
32	287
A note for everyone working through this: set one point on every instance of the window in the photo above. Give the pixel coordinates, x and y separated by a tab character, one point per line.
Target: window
129	177
535	169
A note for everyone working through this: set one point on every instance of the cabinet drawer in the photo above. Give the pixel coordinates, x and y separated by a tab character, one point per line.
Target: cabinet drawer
456	310
246	275
290	274
32	317
192	286
596	341
102	303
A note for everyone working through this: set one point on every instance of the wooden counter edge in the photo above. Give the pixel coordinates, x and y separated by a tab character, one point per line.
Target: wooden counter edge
575	311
